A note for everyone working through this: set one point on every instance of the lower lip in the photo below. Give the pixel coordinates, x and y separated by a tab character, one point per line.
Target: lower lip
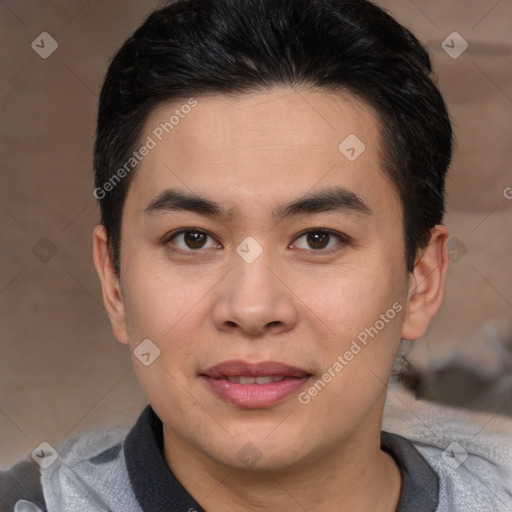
255	395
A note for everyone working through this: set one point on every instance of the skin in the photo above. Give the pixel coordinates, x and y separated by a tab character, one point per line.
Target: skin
296	303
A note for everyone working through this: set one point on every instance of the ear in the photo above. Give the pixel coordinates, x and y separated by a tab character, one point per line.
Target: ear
426	285
110	284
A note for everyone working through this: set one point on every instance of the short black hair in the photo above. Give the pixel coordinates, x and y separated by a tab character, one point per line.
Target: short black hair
194	47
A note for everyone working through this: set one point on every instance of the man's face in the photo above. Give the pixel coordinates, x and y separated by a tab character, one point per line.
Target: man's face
262	283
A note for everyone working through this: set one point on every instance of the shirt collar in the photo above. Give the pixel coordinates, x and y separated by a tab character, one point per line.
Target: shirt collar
153	483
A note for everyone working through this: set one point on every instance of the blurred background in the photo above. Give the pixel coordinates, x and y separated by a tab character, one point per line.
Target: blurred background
62	371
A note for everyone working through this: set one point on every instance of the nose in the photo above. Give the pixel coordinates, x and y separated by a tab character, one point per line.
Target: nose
254	300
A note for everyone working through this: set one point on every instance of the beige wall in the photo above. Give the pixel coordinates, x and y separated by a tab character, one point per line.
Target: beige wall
61	369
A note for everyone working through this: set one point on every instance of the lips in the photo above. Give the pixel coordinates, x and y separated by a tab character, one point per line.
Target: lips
237	368
254	385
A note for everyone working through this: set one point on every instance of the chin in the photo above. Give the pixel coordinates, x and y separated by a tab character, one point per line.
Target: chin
259	453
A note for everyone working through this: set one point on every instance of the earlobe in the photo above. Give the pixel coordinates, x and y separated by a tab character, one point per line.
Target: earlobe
112	296
426	285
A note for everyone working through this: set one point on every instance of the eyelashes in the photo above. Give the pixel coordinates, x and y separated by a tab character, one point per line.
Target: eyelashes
190	241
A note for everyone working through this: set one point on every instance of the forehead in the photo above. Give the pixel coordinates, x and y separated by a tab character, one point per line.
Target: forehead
261	146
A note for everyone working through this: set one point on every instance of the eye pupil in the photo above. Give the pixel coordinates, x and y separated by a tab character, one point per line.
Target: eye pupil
318	239
195	239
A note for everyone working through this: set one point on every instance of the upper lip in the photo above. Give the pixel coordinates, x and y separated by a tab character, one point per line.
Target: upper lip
237	367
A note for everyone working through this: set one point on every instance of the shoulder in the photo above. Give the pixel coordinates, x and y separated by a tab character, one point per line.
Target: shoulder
468	479
90	474
470	452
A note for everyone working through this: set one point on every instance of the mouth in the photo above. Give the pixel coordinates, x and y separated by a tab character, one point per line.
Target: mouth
264	379
254	385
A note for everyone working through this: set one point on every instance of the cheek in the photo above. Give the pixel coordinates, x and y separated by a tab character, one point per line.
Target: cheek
363	312
349	299
172	315
159	301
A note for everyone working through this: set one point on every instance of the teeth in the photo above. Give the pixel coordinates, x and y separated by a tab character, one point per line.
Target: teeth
264	380
267	379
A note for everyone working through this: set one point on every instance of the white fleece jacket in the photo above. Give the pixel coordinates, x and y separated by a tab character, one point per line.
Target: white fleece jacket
471	452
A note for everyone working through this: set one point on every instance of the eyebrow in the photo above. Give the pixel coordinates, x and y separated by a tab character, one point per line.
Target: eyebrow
334	199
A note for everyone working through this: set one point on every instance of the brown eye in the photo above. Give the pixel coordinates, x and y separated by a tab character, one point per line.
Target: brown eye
194	239
189	240
320	240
